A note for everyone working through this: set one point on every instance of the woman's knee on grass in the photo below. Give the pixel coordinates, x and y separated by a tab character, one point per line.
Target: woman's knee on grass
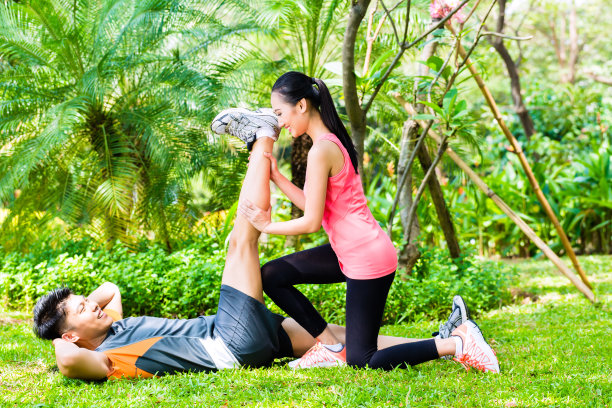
356	363
359	355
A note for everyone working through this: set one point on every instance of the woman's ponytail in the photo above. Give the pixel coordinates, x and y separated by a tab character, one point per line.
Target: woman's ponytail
330	118
295	86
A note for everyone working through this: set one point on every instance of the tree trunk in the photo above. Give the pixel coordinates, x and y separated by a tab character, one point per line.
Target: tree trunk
299	158
409	134
424	158
567	64
562	55
515	83
446	223
352	103
408	254
574	49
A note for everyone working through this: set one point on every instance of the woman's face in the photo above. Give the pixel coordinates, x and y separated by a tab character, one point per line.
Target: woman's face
292	117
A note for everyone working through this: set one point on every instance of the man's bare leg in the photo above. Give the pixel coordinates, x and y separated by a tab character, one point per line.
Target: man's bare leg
241	269
302	341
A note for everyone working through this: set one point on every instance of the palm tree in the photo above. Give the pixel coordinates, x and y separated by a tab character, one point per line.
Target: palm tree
105	109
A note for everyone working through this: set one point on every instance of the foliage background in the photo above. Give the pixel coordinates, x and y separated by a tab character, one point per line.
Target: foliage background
185	284
108	169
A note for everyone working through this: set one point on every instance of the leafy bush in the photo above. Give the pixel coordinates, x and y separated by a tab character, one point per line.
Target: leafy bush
186	283
182	284
564	174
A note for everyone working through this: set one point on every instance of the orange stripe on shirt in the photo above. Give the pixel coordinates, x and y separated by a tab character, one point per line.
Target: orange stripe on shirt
115	315
123	359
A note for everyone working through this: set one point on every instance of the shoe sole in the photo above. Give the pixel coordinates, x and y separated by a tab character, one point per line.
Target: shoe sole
225	116
320	365
465	311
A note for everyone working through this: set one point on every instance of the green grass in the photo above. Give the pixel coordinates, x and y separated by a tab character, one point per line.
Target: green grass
556	351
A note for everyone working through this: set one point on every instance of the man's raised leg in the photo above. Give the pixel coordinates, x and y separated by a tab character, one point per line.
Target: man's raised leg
241	269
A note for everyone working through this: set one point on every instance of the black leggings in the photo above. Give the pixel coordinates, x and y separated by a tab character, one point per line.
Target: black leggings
365	304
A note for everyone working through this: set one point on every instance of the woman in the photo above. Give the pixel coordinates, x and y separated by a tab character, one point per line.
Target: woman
359	253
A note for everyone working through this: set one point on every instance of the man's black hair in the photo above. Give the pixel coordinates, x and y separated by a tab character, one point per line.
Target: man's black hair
50	313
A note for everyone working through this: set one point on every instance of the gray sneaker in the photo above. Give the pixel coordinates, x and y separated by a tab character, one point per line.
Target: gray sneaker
247	125
459	315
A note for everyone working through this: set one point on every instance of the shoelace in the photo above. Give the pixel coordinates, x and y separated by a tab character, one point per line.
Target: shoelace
240	127
473	357
468	362
447	327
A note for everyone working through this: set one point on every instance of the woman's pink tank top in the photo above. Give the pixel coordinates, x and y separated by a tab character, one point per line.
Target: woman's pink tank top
363	249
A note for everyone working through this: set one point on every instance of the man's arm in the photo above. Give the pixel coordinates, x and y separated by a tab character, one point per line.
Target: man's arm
107	295
76	362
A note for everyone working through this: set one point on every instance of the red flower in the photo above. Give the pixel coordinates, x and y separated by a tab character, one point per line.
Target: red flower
438	9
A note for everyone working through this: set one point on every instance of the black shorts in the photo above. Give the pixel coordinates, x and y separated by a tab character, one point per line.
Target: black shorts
251	332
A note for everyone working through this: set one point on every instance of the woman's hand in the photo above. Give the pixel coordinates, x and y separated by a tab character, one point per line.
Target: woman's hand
259	218
273	166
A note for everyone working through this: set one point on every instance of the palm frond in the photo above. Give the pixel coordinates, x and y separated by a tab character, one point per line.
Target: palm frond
33	152
19	37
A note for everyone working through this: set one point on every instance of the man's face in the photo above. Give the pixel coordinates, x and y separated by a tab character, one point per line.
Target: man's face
85	319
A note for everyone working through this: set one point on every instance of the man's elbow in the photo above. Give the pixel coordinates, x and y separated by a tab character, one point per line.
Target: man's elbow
111	286
67	365
70	366
66	372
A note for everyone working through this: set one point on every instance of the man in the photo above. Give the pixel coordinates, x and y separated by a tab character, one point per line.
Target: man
92	341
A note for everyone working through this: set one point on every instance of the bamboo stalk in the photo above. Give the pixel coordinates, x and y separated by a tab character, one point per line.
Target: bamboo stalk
523	160
582	287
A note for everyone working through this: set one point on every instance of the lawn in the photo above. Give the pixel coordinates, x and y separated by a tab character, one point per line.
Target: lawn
554	350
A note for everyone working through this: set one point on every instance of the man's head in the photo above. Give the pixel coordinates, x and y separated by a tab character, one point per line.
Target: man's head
61	313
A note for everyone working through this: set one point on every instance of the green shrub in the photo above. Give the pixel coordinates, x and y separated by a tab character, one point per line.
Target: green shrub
182	284
428	292
186	282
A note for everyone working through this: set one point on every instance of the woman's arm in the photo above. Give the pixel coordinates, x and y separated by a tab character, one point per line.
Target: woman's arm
293	192
317	171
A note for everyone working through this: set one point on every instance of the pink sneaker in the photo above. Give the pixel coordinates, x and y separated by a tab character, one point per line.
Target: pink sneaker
476	351
320	356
